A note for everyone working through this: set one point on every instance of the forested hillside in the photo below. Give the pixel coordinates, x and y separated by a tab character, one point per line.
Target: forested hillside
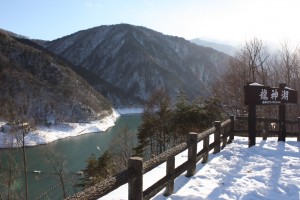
41	88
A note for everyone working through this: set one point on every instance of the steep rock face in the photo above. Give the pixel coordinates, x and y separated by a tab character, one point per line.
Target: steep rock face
137	60
36	86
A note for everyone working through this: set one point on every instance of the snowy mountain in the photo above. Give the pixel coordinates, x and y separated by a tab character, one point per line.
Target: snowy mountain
39	87
126	63
225	48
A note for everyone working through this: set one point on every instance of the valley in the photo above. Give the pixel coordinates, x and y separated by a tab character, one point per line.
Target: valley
71	87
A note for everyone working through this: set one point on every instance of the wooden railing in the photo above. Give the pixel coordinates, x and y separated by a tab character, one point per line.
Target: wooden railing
223	133
267	127
133	175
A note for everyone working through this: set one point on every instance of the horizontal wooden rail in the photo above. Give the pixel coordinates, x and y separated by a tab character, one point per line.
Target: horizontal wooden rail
161	158
268	120
223	133
265	131
104	187
133	176
110	184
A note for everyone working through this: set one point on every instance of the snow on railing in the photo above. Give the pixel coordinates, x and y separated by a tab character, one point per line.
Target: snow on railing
133	175
223	134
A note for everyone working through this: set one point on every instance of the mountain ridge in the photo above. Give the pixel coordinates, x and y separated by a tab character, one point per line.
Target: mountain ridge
138	60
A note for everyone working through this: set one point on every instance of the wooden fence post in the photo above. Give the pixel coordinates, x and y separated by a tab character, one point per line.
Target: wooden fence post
217	136
231	138
282	116
171	176
298	138
265	130
192	154
251	125
135	183
206	148
224	137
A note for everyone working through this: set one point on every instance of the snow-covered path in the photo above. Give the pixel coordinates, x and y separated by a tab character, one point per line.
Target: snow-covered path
268	171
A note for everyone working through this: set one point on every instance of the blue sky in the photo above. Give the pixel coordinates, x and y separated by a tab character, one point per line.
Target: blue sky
234	21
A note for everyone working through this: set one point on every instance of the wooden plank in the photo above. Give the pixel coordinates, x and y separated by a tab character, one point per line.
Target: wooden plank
170	173
192	154
252	125
217	136
135	182
231	138
102	188
206	149
159	159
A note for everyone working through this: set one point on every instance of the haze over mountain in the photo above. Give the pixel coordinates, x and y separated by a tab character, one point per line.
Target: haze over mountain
38	87
225	48
127	63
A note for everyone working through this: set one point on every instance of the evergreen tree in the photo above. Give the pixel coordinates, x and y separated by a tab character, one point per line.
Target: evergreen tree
155	130
164	126
98	169
106	166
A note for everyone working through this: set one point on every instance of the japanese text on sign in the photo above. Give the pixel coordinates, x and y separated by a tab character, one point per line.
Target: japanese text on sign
273	96
265	95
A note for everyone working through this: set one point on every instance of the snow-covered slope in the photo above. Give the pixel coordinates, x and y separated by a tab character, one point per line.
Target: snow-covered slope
270	170
128	62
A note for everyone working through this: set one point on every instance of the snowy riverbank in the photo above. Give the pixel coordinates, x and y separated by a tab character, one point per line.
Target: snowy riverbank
44	135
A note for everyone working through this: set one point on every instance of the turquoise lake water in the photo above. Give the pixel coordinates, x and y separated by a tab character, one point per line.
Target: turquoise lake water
76	150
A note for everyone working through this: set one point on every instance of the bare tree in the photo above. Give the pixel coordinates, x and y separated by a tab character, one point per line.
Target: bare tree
286	69
251	64
287	64
57	161
122	147
18	108
9	173
253	56
21	129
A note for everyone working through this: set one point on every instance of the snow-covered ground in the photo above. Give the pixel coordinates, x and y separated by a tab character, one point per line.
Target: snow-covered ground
44	135
268	171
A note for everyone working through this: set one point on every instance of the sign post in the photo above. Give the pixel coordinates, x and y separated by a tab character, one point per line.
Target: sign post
282	124
257	94
252	125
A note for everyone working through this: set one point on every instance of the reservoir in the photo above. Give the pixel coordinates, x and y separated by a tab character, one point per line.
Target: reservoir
43	183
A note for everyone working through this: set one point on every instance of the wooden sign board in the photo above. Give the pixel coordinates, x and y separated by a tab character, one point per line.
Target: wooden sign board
256	94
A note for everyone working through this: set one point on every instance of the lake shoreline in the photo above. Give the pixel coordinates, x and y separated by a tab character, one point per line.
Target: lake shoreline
45	135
